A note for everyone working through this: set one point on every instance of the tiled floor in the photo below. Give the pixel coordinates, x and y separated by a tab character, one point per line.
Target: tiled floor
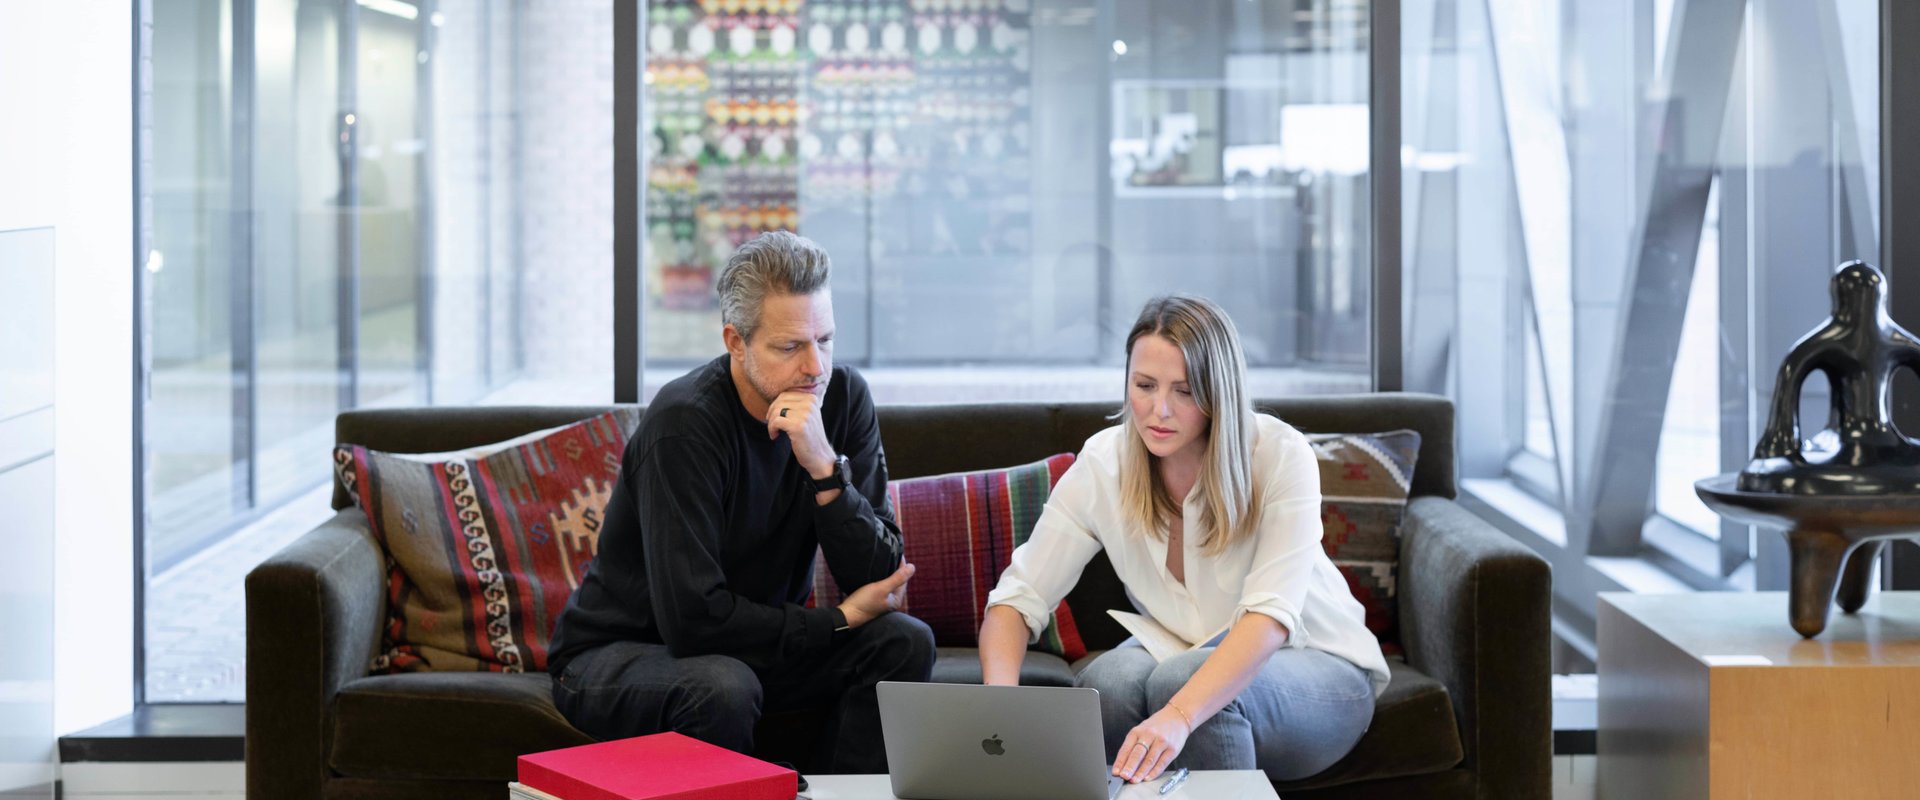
1573	777
196	611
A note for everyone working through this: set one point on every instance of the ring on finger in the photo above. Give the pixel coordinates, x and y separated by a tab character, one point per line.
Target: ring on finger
783	412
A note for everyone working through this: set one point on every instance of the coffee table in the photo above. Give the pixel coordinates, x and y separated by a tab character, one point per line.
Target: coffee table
1241	784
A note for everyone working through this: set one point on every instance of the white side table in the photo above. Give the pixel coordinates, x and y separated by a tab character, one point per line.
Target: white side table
1247	784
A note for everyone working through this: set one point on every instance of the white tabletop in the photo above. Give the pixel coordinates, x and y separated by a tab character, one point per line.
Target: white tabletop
1248	784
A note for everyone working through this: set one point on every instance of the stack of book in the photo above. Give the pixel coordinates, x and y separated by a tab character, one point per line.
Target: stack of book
664	766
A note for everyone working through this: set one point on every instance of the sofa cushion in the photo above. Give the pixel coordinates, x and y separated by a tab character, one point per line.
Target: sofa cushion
962	665
1364	478
1413	733
485	546
960	531
445	725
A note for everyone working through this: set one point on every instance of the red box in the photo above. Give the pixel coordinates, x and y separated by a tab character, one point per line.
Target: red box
664	766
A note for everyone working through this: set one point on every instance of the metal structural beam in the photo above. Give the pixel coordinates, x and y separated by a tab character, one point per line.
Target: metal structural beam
1701	46
1611	65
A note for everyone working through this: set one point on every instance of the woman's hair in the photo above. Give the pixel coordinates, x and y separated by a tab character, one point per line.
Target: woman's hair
1216	374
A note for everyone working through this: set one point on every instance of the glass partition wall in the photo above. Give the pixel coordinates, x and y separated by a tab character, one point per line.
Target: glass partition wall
351	203
1003	183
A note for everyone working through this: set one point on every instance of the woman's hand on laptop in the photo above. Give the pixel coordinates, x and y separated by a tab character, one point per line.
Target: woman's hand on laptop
1151	746
876	599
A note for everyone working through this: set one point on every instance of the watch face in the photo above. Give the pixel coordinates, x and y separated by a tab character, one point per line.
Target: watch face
842	477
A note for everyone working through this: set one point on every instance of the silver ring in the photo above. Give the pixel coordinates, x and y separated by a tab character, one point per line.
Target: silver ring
1142	744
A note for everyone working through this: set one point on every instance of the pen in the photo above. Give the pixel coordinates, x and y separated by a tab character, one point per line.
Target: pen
1178	776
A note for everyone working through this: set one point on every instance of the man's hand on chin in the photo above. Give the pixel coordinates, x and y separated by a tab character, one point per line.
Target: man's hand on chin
797	414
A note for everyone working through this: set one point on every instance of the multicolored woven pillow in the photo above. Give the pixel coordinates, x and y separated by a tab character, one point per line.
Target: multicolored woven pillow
1364	480
960	531
485	545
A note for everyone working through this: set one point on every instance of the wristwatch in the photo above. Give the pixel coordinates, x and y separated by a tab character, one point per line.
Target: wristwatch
842	477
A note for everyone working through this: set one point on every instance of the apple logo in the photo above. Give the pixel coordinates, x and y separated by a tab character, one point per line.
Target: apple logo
992	746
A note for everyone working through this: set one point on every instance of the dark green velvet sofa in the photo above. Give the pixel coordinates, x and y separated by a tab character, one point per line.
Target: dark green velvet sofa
1468	714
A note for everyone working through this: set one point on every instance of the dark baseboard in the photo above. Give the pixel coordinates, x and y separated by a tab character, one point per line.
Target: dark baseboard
163	733
1574	743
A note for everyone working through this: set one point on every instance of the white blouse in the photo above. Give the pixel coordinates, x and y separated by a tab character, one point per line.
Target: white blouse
1281	571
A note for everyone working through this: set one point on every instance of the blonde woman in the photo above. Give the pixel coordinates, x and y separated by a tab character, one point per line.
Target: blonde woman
1210	515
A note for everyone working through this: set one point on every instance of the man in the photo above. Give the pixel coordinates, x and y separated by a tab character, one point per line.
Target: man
690	617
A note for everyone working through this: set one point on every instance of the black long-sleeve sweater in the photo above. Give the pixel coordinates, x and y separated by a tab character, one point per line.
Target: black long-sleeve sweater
709	538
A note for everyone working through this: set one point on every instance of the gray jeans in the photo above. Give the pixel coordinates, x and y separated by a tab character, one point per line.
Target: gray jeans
1303	712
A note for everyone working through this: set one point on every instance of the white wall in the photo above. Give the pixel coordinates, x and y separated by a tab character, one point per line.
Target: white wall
66	162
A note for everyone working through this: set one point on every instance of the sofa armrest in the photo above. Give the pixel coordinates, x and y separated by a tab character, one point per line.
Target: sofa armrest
1475	613
314	612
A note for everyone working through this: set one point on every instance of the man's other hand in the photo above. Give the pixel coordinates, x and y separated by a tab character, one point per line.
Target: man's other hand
797	414
878	598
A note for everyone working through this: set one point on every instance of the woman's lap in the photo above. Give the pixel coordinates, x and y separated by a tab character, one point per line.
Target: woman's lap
1302	712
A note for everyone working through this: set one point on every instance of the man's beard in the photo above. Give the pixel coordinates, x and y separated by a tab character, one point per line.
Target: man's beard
757	382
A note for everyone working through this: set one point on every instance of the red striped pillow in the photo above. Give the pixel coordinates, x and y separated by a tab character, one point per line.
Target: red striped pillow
484	546
960	531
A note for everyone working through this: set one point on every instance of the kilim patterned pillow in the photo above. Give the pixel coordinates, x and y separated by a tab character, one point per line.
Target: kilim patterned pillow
484	546
960	531
1364	479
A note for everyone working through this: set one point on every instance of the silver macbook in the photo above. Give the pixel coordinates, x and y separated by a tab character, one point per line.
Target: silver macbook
949	741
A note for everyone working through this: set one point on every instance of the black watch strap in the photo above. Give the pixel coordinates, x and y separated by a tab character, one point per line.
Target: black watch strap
842	477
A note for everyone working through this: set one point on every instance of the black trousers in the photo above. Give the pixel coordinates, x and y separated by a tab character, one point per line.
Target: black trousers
626	689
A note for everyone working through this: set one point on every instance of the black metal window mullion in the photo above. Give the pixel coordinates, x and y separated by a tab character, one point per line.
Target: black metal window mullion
629	201
1383	175
1900	204
488	380
424	206
242	293
347	218
142	245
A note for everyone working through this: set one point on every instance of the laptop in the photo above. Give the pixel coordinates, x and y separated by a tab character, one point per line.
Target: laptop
950	741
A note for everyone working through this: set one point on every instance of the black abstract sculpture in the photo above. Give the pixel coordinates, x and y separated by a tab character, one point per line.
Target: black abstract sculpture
1859	484
1858	348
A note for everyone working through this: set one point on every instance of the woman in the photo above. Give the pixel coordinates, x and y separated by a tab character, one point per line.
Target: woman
1291	686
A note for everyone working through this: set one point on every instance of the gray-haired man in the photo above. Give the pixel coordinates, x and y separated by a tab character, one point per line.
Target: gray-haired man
690	617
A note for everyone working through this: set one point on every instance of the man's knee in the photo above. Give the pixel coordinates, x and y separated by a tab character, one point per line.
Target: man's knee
718	691
904	646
